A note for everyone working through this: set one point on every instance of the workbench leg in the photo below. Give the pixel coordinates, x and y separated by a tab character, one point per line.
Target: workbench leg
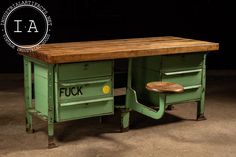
51	104
125	112
28	95
200	110
201	103
51	143
124	120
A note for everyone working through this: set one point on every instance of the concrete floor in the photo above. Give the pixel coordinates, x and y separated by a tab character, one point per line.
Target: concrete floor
177	134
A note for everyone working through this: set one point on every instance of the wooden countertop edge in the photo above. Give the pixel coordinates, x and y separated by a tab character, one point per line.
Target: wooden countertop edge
209	46
132	54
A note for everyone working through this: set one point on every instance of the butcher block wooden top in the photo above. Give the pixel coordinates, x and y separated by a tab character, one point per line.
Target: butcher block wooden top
119	48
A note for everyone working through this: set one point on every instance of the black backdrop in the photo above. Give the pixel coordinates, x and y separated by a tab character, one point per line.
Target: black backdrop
79	20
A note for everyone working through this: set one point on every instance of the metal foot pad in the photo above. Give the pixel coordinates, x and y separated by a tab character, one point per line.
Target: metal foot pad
30	131
51	143
201	117
124	129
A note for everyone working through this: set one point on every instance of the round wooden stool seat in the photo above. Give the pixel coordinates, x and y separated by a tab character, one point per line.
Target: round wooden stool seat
162	87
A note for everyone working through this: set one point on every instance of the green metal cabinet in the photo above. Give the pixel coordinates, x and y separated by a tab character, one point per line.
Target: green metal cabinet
78	90
67	91
185	69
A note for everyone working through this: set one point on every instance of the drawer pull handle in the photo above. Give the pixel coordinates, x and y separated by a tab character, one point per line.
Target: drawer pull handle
85	82
86	101
182	72
192	87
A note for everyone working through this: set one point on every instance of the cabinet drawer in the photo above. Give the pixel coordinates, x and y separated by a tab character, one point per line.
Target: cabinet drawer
185	78
150	63
84	109
84	70
190	93
84	89
181	62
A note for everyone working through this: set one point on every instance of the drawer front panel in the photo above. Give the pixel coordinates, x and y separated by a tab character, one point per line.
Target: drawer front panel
150	63
185	78
85	109
82	70
190	93
84	89
182	62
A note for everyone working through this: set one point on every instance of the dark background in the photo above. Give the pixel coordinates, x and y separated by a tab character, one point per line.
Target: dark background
80	20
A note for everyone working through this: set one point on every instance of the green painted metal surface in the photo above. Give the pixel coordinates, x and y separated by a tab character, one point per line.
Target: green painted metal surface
125	115
85	109
182	62
133	103
75	97
188	95
84	89
201	103
186	79
28	94
145	110
84	70
41	88
51	105
185	69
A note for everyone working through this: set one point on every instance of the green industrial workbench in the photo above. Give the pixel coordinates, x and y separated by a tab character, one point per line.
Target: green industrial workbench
76	80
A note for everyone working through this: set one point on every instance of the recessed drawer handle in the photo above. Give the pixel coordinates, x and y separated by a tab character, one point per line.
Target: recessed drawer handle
85	82
86	101
182	72
192	87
